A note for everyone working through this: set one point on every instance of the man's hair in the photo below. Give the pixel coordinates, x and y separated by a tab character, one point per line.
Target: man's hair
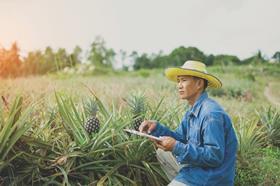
205	82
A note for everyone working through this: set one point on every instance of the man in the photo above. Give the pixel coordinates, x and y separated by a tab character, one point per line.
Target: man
204	145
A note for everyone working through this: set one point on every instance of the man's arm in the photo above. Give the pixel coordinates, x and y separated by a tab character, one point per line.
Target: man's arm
161	130
211	153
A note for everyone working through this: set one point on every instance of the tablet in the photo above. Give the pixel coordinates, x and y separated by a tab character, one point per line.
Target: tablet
142	134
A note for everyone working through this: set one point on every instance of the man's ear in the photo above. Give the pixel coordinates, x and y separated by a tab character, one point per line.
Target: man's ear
200	83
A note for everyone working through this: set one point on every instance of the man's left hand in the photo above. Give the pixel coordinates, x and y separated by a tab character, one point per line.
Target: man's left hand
166	143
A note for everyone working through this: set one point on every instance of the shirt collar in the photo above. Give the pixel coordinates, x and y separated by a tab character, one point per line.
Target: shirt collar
198	103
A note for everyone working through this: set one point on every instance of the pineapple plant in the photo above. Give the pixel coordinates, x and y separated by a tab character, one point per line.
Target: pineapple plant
138	109
92	124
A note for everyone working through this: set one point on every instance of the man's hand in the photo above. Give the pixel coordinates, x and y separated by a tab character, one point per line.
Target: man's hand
147	126
167	143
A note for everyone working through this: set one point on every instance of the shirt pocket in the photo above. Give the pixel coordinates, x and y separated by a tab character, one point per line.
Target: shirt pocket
194	134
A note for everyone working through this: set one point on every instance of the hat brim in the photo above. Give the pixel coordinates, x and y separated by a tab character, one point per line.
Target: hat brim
172	73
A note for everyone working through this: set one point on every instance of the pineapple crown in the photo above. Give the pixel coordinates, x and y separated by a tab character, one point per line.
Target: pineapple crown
91	107
137	102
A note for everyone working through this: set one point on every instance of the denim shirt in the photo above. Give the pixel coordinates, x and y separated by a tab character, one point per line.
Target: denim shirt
205	142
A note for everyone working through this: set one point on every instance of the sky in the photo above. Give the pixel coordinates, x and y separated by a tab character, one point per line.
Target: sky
235	27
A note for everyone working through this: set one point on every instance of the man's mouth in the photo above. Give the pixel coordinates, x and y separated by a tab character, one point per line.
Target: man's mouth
181	92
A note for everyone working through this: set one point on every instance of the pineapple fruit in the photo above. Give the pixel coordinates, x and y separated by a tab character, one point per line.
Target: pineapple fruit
92	125
138	109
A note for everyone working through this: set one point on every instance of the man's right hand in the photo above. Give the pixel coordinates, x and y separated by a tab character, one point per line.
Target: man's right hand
148	126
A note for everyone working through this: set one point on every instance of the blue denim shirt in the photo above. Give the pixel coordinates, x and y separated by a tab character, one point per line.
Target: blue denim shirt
206	143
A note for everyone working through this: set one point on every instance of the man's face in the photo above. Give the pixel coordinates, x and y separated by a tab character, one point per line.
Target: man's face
187	87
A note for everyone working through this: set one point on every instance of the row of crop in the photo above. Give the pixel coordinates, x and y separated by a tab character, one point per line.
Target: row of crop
53	146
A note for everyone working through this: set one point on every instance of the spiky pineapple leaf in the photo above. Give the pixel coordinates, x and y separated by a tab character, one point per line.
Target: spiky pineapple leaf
72	119
155	112
101	106
14	127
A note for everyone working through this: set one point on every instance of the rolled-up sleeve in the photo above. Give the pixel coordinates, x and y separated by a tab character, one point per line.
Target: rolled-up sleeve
211	152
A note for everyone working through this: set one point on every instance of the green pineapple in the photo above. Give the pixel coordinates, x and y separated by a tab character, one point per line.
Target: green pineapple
21	145
92	125
138	109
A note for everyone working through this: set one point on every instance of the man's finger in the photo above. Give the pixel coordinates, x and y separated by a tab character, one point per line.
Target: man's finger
160	146
158	142
153	140
142	126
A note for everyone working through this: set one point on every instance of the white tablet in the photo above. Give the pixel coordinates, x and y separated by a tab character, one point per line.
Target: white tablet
142	134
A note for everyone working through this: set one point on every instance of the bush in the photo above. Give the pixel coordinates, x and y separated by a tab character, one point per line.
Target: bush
270	119
250	76
269	166
217	92
230	92
247	172
234	92
144	73
256	165
262	169
251	136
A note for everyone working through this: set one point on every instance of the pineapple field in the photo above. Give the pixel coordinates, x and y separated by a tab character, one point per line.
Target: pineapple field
68	129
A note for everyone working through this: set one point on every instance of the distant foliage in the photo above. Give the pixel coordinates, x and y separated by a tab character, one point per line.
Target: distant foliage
276	56
231	92
38	62
10	61
176	58
99	55
226	60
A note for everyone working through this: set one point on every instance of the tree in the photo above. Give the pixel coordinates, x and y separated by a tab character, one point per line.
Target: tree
10	61
181	54
209	60
75	56
226	60
47	61
99	55
161	60
259	57
32	63
142	61
255	59
276	56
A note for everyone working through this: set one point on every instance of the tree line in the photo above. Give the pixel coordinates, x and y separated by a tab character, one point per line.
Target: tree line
47	61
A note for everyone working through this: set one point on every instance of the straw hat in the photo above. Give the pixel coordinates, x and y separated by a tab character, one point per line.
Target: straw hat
193	68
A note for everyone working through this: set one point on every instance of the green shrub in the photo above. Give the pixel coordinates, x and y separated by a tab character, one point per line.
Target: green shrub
270	118
230	92
269	167
260	169
256	165
251	136
143	73
250	76
11	129
247	172
234	92
217	92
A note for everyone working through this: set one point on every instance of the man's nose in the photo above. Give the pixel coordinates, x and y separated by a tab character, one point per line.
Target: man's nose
179	85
